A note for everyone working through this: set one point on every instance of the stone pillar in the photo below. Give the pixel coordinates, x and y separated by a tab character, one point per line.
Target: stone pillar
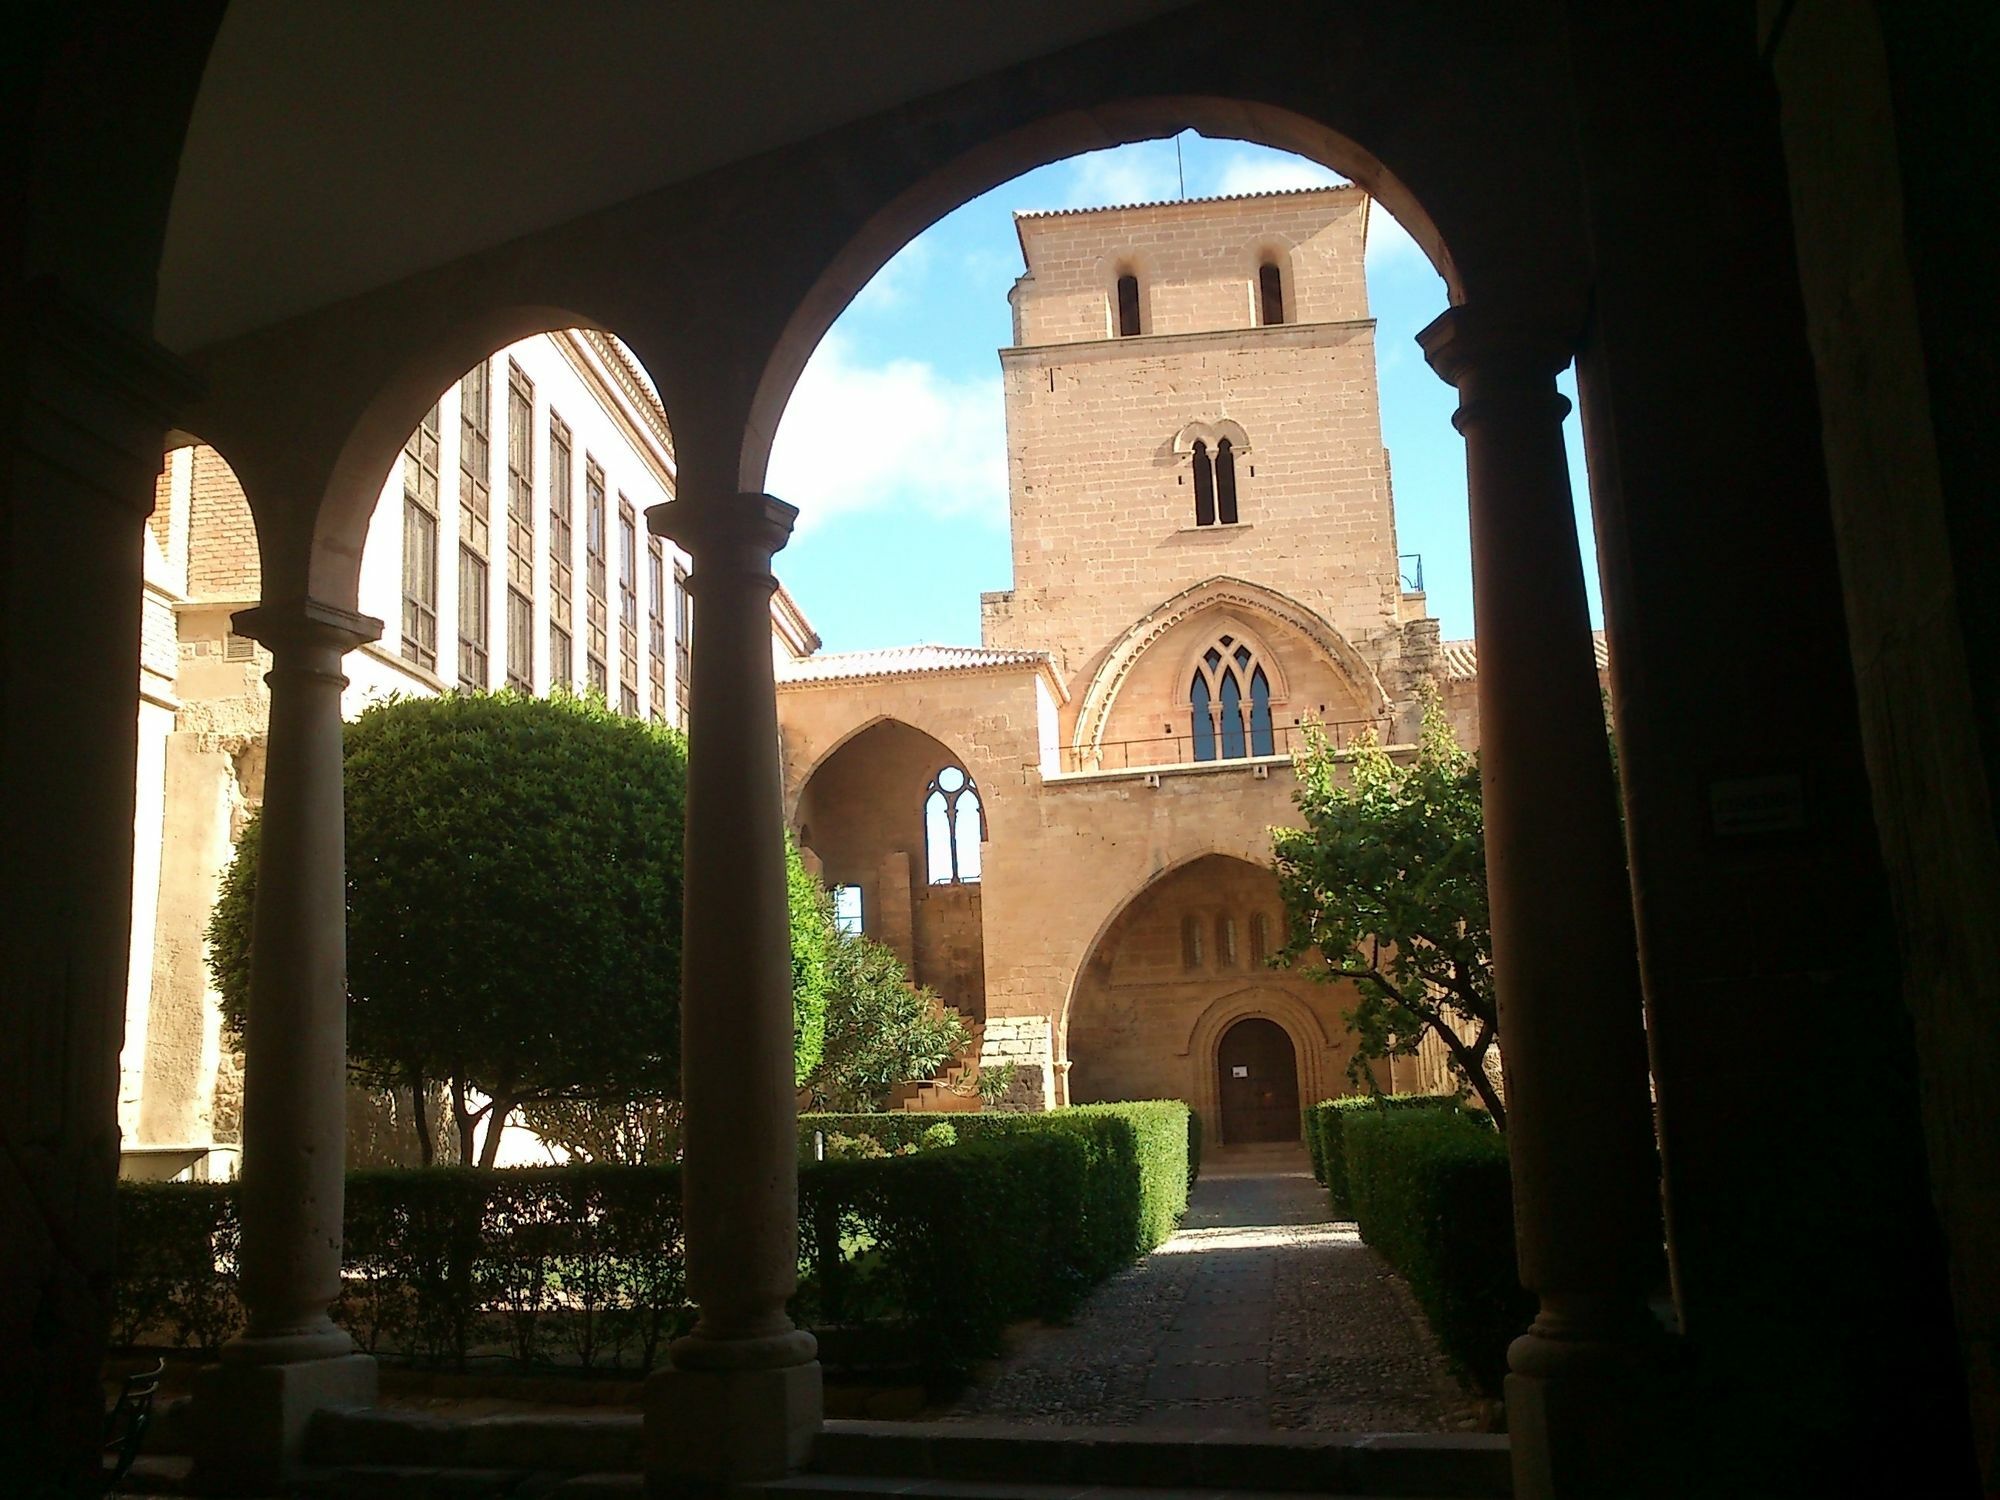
741	1398
1565	955
291	1360
83	410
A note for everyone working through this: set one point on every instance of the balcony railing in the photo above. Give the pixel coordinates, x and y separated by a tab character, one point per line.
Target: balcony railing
1180	749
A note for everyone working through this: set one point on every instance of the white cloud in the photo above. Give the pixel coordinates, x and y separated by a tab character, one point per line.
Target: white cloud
1122	174
899	435
898	278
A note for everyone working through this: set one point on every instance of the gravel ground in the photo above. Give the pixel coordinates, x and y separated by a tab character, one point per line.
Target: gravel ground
1259	1313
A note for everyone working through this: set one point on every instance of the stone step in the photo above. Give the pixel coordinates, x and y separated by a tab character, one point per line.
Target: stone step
427	1482
1472	1466
596	1443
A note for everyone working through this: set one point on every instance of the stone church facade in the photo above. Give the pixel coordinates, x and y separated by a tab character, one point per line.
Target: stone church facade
1204	560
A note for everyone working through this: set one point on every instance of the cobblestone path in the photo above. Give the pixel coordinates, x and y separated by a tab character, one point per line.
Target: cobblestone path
1259	1313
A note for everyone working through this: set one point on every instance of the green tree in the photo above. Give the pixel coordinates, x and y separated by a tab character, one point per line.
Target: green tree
513	907
880	1029
1385	886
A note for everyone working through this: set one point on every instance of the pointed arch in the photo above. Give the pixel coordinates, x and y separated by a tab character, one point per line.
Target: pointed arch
1245	604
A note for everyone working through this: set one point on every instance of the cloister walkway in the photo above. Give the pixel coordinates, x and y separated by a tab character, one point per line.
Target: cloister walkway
1260	1313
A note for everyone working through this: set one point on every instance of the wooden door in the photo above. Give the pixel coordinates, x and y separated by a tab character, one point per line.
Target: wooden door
1259	1083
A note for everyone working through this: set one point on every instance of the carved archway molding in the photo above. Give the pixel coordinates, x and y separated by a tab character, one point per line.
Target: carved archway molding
1254	601
1202	1049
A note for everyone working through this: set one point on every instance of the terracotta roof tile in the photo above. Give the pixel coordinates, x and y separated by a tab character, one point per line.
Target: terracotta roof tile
897	661
1461	658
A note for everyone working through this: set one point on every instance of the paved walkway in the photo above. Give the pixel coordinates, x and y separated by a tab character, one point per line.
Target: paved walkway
1259	1313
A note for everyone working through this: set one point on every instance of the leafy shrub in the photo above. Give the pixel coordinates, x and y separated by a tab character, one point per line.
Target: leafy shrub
1432	1192
1324	1132
176	1265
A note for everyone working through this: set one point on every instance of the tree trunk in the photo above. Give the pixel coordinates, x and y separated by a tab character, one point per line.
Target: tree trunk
465	1119
426	1146
496	1124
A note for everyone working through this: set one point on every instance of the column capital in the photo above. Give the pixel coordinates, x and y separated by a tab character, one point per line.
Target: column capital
749	528
291	624
1489	354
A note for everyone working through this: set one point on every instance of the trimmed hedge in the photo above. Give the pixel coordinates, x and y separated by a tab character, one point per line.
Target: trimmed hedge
1142	1159
1432	1192
1323	1126
930	1254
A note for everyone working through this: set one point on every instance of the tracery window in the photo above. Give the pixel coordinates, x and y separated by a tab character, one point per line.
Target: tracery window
1229	703
954	827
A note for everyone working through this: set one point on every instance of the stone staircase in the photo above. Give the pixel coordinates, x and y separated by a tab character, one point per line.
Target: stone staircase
954	1091
387	1454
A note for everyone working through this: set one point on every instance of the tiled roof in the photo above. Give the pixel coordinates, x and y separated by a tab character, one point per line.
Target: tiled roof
1105	208
1461	658
897	661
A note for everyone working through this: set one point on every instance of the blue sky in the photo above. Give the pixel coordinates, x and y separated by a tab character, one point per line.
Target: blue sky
897	538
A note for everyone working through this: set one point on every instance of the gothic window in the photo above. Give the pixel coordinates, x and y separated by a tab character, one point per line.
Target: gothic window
420	543
1225	942
1225	482
1204	485
954	827
1260	937
1270	293
1128	305
1229	703
847	909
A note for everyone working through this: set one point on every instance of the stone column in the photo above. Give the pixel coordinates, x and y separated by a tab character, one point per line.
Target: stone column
1565	954
741	1398
291	1360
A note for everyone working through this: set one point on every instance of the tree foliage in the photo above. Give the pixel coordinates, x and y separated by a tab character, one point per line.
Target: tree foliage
881	1030
513	905
1385	886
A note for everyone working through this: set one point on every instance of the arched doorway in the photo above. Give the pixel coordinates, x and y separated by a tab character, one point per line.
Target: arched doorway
1258	1082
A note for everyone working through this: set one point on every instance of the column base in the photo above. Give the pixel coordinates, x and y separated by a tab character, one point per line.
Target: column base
708	1429
250	1419
1608	1427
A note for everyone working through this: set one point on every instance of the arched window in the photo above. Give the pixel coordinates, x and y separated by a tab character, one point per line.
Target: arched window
1128	305
1260	937
1225	481
1191	942
1229	703
1270	293
954	827
1204	486
1225	942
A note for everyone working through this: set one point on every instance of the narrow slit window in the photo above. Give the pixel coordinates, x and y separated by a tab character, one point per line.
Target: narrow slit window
1270	293
1204	485
1260	937
1225	482
1191	945
1128	306
1225	942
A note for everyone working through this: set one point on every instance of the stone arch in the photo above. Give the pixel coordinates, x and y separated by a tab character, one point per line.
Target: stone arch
1261	1001
1054	137
1211	433
865	802
1249	601
848	736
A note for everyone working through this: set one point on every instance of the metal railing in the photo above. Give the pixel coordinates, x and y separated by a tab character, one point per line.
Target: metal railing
1180	749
